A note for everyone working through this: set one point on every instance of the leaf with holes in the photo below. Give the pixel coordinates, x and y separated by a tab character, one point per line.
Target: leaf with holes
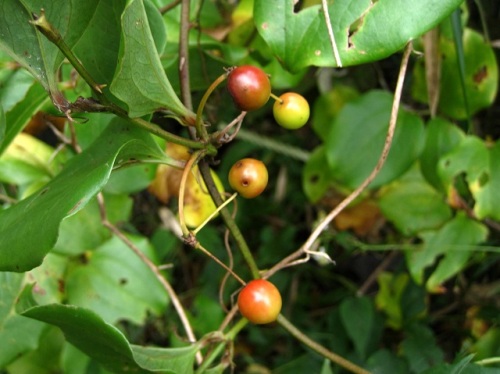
300	39
479	163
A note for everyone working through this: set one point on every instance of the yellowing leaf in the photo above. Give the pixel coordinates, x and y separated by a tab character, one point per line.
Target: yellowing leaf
198	204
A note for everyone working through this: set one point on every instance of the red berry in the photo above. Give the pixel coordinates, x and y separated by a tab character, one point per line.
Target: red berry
249	86
260	301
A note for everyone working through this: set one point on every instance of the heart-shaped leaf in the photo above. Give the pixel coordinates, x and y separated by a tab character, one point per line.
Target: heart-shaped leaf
357	135
441	137
413	205
115	284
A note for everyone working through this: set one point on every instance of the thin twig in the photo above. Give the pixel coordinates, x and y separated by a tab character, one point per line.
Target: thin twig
350	198
335	50
214	213
151	265
339	360
184	55
226	216
374	275
164	9
224	137
227	245
223	265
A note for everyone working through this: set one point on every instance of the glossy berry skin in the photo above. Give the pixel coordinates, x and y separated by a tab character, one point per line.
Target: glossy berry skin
291	111
248	177
260	301
249	86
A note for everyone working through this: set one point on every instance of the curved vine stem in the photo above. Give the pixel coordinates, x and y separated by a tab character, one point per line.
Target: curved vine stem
229	336
223	265
339	360
193	160
154	269
200	128
354	194
228	220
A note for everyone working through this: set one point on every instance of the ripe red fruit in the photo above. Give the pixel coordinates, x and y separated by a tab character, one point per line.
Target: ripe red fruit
248	177
249	86
291	111
260	301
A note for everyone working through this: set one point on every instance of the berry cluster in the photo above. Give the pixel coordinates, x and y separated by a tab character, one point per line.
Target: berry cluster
250	89
260	301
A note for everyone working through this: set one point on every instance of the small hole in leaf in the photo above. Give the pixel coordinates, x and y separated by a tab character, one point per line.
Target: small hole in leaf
480	75
314	178
483	179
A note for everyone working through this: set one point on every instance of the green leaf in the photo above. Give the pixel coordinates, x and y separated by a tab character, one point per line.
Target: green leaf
99	45
455	241
359	319
413	205
2	126
33	50
17	334
486	189
105	343
455	368
24	246
301	39
328	106
43	360
49	279
488	345
22	97
315	179
169	360
28	161
357	136
481	76
84	230
388	299
420	348
116	284
25	45
441	137
384	361
140	80
482	173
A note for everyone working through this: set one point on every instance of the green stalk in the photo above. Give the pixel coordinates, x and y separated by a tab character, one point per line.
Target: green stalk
335	358
46	28
228	219
218	350
200	129
157	130
53	35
